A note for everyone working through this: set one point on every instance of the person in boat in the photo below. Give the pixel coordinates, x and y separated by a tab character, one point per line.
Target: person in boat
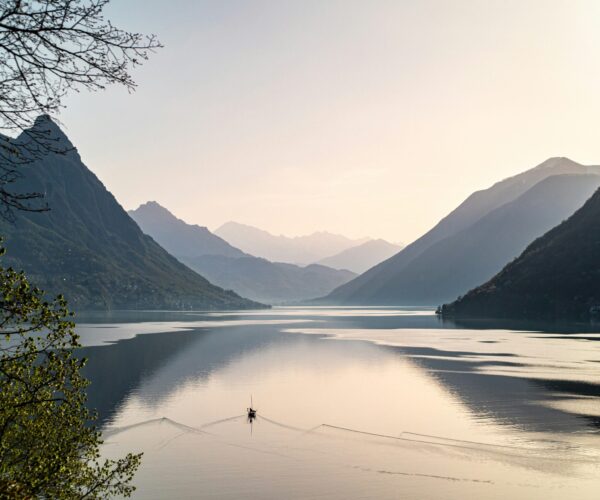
251	411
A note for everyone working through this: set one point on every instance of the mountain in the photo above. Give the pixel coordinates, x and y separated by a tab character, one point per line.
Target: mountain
456	264
556	277
390	282
270	282
177	237
362	257
298	250
88	248
253	277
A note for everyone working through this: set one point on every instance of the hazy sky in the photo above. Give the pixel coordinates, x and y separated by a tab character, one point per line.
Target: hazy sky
359	117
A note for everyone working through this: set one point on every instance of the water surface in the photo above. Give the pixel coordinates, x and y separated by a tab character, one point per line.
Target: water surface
352	403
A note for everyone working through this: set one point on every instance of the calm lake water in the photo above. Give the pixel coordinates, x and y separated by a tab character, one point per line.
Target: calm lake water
352	403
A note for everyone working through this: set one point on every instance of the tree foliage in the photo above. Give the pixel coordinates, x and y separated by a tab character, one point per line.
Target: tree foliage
48	448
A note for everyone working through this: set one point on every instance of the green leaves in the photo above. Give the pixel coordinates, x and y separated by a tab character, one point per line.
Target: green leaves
48	447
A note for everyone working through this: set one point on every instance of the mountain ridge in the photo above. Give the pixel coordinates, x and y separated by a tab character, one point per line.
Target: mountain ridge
301	250
556	277
253	277
473	208
88	248
459	262
178	236
362	257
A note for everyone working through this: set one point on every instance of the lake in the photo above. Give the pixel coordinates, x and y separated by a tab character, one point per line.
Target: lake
352	403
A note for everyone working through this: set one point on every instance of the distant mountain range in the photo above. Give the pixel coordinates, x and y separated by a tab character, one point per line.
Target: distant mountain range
299	250
89	249
477	239
229	267
556	277
362	257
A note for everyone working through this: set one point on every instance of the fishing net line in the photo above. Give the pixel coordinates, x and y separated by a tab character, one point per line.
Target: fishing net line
232	456
553	451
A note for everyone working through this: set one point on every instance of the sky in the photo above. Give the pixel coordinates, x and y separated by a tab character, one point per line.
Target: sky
365	118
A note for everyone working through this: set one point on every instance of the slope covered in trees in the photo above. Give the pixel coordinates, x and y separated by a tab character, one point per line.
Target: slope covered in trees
556	277
448	260
458	263
226	266
88	248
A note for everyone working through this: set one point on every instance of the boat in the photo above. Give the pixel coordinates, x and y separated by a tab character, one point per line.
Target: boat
251	411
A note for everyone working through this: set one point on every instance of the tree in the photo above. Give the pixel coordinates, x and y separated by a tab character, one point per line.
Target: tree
47	49
48	447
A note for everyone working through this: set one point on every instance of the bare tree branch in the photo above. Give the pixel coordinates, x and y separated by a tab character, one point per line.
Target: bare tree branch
47	49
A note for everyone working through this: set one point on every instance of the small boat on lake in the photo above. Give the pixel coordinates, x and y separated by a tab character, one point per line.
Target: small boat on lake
251	411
